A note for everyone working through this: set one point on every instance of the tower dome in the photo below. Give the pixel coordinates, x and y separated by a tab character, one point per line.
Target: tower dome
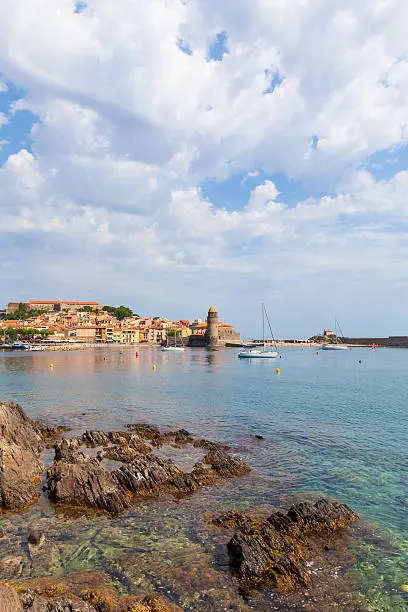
212	309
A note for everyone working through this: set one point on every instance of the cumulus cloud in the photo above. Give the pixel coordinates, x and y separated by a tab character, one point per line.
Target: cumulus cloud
130	122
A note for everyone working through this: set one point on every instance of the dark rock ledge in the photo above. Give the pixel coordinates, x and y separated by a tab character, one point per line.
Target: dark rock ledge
21	443
275	553
76	479
80	479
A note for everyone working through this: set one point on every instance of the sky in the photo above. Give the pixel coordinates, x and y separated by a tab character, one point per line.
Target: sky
173	154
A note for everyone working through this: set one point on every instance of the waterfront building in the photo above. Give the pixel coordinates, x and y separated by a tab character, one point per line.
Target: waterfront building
212	333
86	333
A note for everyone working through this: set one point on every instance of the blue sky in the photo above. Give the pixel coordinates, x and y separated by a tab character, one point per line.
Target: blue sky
205	153
15	134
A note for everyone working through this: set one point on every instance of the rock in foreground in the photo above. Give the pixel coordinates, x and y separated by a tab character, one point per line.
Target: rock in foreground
20	467
274	553
84	592
75	479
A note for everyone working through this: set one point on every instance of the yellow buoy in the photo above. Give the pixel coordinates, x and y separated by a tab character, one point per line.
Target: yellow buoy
278	370
154	367
51	365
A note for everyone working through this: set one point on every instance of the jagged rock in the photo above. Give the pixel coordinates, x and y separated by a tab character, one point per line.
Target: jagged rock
225	465
181	436
17	428
95	438
119	453
208	445
20	467
147	432
49	435
20	471
126	445
9	601
146	475
273	553
129	440
68	450
76	479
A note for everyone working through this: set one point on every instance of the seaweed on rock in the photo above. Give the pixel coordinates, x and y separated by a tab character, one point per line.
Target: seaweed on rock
274	553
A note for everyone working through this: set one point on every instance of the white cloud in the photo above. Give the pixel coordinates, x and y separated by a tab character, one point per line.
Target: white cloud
3	119
129	125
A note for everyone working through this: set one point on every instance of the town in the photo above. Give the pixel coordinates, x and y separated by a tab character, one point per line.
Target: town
58	322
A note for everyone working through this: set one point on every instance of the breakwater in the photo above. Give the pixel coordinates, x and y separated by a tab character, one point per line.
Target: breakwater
391	341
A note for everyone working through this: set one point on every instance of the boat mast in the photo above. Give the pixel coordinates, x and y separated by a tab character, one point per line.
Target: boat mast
263	326
270	329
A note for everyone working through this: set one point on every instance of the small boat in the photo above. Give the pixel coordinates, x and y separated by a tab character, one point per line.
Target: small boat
337	345
261	351
37	348
20	346
172	348
258	354
175	347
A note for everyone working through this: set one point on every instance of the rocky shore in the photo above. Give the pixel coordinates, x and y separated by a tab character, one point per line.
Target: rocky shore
111	472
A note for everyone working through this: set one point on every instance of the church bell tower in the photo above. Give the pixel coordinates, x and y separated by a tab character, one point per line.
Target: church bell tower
211	335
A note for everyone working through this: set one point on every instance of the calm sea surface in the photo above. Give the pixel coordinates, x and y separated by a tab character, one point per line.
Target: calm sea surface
330	424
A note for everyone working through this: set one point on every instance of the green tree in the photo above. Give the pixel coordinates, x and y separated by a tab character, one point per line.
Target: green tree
26	333
120	312
35	313
19	314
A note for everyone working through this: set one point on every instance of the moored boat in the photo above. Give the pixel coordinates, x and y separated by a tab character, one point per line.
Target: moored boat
337	345
174	347
261	351
21	346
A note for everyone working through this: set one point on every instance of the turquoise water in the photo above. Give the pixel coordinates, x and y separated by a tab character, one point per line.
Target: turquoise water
330	424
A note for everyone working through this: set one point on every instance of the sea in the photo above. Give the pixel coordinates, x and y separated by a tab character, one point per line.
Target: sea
309	422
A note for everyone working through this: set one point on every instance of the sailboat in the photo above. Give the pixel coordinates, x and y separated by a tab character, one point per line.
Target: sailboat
175	347
261	352
336	346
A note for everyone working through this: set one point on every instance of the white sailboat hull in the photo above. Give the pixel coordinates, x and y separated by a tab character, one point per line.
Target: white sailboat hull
335	347
172	348
254	354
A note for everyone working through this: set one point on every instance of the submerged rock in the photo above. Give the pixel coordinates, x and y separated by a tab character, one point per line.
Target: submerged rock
208	445
84	592
44	554
75	479
274	553
20	466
